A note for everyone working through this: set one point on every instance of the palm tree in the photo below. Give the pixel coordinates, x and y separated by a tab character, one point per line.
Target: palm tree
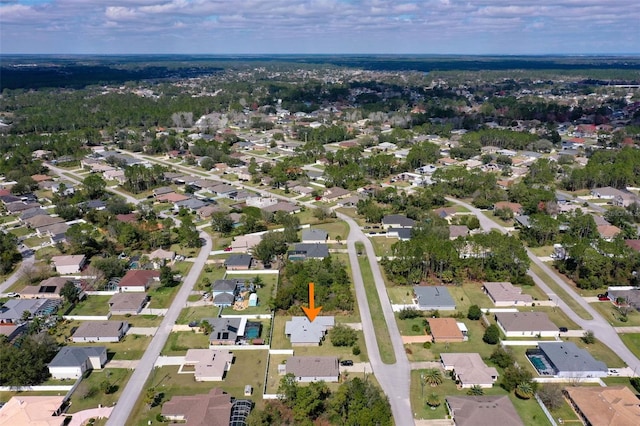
525	390
475	390
433	376
433	400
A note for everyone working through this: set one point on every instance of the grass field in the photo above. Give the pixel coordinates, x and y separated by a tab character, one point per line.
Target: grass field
265	293
161	297
610	313
248	369
196	313
130	347
600	352
139	320
382	333
529	410
92	305
632	340
179	342
382	245
569	300
89	395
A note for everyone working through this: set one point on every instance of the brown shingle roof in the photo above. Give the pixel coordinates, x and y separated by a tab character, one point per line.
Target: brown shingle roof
212	409
608	406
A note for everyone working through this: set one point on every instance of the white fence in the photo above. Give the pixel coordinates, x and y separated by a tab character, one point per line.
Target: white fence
42	388
100	293
251	316
398	308
87	317
270	396
281	351
254	272
571	380
489	310
241	347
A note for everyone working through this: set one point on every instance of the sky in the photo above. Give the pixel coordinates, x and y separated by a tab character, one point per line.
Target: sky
510	27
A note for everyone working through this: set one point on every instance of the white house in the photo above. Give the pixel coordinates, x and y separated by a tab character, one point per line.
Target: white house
69	264
72	362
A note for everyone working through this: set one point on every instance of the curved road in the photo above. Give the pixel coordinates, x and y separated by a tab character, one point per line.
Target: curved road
27	262
135	385
600	327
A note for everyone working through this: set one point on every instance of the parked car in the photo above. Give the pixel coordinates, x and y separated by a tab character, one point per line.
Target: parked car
346	363
603	298
13	294
228	248
563	329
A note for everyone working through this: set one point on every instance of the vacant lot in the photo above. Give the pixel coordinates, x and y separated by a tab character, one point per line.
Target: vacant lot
89	393
611	314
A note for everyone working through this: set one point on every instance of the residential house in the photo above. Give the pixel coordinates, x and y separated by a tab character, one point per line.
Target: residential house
100	331
20	206
222	190
162	191
313	368
71	264
283	206
47	289
209	365
456	231
334	194
245	242
224	292
483	411
213	409
114	174
519	324
403	234
238	262
445	330
127	303
430	298
516	208
302	332
226	331
71	362
397	221
314	235
13	310
606	193
127	217
567	360
469	369
33	411
304	251
138	280
261	202
161	257
40	220
630	295
608	232
349	201
610	405
506	294
445	212
190	204
172	197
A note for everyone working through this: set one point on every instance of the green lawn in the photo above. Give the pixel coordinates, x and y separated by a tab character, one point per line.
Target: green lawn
92	305
569	300
382	245
334	228
557	316
400	295
619	381
407	327
542	251
529	410
264	295
179	342
89	394
382	333
610	313
131	347
139	320
20	231
161	297
196	313
248	369
632	340
35	241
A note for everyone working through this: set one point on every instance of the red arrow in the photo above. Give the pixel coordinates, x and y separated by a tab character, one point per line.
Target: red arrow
311	312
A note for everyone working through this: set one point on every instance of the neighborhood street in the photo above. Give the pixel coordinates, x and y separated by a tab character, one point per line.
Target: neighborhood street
135	386
600	327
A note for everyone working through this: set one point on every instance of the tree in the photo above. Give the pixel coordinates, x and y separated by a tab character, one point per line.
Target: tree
525	390
491	335
94	186
24	362
272	244
551	395
588	337
474	313
433	376
502	357
221	222
513	376
341	335
433	400
70	292
166	277
635	382
206	327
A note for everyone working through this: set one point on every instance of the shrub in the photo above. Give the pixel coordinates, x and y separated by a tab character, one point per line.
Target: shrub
426	345
415	328
502	357
491	335
341	335
409	313
635	382
474	313
588	337
355	350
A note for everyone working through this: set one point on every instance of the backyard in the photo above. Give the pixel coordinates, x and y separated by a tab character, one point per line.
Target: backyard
89	393
248	369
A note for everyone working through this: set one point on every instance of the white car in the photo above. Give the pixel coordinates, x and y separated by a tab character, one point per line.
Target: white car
13	294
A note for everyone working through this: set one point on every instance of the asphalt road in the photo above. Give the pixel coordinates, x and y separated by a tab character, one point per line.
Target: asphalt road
600	327
27	262
135	385
395	379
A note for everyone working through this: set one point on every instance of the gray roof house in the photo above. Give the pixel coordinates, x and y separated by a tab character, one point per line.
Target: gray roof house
506	294
127	303
238	262
303	251
433	297
12	310
226	331
302	332
568	360
397	221
100	331
403	234
483	411
313	368
314	236
72	362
